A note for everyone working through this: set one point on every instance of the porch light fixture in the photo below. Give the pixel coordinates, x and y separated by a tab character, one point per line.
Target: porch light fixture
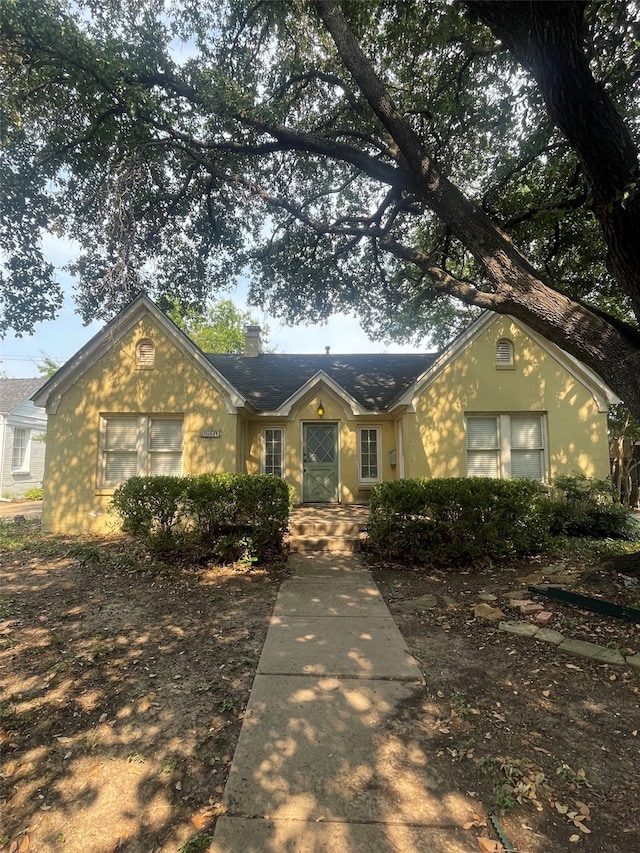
320	410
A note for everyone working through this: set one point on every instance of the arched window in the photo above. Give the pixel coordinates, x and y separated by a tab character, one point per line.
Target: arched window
504	353
145	353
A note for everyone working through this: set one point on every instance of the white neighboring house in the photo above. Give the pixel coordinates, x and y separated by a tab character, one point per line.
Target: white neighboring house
22	430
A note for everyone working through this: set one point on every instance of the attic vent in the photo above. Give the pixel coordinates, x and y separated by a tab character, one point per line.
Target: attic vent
145	353
504	353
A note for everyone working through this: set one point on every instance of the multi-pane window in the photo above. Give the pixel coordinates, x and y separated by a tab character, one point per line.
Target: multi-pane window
506	446
20	450
369	454
273	440
139	446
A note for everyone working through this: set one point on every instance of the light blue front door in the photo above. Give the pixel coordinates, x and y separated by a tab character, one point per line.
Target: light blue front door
320	463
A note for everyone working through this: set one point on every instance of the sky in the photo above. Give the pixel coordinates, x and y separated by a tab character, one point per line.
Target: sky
61	338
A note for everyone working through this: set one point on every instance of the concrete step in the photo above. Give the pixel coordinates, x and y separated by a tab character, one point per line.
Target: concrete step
331	544
325	528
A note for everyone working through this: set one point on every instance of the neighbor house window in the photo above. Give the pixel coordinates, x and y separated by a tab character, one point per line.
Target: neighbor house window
506	446
369	454
141	445
20	451
504	353
273	449
145	353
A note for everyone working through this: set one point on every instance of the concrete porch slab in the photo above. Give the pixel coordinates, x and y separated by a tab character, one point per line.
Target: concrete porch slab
317	564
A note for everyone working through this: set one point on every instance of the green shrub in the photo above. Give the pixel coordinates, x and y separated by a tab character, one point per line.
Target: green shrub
34	494
443	520
237	516
227	517
151	509
582	506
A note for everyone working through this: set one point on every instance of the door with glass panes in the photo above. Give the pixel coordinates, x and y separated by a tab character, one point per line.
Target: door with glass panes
320	463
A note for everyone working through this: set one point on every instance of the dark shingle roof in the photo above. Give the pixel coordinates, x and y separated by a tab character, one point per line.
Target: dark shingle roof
374	381
15	391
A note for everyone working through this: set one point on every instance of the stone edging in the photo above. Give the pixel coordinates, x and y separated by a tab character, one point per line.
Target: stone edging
582	649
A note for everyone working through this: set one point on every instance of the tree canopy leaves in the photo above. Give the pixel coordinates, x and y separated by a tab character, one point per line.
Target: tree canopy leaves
219	328
418	161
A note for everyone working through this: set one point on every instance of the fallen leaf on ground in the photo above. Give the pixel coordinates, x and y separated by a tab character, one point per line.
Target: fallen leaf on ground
584	808
574	838
203	818
477	822
488	845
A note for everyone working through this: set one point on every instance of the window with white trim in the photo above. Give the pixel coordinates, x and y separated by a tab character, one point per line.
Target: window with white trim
369	447
273	451
145	354
506	446
20	449
140	445
504	353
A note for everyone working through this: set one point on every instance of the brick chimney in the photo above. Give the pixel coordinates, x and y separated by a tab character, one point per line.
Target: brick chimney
252	341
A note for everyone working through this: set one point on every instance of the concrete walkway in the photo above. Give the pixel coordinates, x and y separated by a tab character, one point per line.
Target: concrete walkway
319	766
28	509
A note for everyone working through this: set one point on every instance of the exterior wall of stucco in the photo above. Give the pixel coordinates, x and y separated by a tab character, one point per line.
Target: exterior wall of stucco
73	503
431	439
434	437
336	412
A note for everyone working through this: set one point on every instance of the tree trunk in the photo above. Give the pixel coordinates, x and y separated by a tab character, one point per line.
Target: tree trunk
548	39
612	350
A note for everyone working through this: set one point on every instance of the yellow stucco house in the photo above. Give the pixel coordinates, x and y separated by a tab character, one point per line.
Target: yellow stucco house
141	398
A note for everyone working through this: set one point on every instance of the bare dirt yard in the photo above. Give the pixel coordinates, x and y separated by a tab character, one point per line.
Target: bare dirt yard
124	683
547	742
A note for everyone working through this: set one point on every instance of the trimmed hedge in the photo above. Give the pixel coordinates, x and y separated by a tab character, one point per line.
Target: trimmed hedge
445	520
582	506
227	517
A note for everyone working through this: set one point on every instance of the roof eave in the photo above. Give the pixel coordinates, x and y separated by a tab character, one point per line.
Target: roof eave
319	378
603	396
50	394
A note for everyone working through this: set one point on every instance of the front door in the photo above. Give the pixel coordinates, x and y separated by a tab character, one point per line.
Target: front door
320	463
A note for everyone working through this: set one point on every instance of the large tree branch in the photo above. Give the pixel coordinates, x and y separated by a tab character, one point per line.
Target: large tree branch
519	289
548	39
491	246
